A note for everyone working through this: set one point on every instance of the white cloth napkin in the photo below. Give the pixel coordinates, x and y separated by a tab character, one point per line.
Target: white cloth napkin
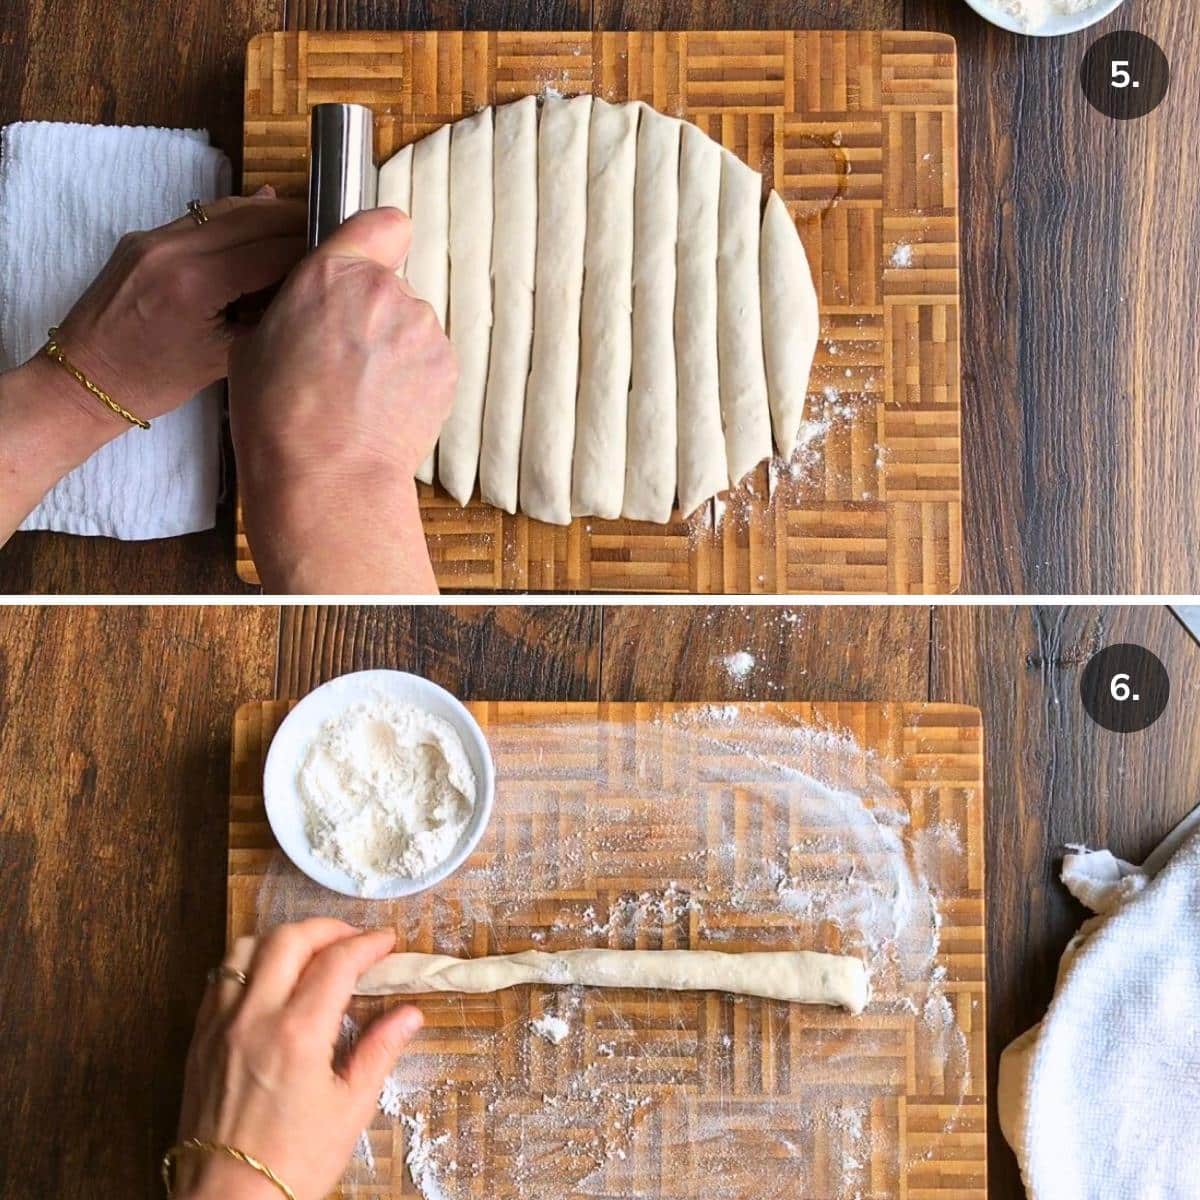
1101	1101
67	194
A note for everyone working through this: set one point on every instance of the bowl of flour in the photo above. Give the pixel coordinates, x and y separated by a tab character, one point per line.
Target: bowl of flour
1044	18
378	784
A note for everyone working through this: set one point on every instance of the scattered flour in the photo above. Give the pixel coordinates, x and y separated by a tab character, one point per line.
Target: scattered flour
387	791
902	255
739	664
550	1028
817	850
420	1159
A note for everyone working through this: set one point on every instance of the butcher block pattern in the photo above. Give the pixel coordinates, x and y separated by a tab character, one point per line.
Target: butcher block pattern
858	132
597	803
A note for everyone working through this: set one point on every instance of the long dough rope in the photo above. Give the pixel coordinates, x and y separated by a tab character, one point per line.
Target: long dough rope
800	976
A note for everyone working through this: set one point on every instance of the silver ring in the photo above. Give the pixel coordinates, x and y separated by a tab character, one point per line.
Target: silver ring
230	973
196	212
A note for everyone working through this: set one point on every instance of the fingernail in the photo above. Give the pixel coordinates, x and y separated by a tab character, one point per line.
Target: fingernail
411	1021
265	190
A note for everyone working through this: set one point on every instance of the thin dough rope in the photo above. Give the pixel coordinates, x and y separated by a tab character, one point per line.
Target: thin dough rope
798	976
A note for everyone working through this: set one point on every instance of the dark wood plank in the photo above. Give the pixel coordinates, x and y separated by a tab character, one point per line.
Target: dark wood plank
114	749
478	653
54	564
1081	258
1081	255
113	854
1054	777
693	653
175	63
737	14
408	14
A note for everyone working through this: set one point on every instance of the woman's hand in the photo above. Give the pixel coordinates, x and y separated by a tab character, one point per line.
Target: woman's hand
151	331
261	1074
335	401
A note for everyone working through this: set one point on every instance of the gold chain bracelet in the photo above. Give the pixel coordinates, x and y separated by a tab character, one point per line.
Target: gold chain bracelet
202	1147
54	352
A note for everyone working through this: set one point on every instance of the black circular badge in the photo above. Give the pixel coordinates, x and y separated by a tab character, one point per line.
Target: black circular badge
1125	75
1125	688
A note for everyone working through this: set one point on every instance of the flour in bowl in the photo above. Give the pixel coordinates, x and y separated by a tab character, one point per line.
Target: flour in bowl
387	791
1033	14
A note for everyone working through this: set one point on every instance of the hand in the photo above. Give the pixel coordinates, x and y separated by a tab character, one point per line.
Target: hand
335	401
150	331
261	1074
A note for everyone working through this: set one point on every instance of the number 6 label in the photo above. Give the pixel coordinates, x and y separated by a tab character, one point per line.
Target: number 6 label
1125	688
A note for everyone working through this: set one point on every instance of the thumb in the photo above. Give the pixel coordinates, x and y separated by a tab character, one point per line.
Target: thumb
376	1051
380	234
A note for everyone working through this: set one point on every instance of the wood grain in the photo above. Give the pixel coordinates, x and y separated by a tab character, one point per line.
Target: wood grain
857	134
606	790
1055	777
1081	255
410	14
478	653
114	744
123	715
1082	284
640	14
726	652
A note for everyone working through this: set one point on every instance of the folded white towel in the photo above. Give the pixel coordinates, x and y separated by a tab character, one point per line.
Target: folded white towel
1100	1100
67	194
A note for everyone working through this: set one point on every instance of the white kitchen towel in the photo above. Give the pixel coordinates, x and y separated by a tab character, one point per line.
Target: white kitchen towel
67	194
1101	1101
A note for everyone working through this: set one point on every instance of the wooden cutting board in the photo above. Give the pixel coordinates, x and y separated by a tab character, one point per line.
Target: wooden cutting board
655	826
858	132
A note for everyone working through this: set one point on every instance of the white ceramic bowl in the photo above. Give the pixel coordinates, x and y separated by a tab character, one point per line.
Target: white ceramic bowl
285	810
1054	26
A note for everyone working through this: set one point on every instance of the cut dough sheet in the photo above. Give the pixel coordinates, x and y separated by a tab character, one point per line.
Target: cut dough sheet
548	438
429	256
791	321
514	257
606	336
470	299
702	467
628	329
651	444
395	186
800	976
745	414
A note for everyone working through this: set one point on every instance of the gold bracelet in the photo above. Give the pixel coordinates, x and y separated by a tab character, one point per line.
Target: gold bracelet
202	1147
53	351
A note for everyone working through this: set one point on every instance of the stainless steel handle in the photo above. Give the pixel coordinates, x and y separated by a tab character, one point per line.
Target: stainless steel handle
342	177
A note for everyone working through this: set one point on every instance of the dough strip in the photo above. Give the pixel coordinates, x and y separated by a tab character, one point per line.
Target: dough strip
744	411
548	439
395	187
791	321
650	452
799	976
429	254
702	470
514	251
606	346
470	299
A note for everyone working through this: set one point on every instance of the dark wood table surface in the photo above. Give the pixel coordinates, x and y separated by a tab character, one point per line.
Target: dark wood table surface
1081	241
114	741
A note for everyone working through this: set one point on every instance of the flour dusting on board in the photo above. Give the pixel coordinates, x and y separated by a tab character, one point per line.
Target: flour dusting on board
544	1092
